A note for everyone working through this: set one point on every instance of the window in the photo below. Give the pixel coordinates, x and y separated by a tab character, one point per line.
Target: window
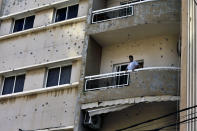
24	23
13	84
66	13
59	76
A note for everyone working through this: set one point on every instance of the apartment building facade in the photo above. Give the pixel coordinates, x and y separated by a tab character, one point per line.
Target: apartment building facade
41	43
112	99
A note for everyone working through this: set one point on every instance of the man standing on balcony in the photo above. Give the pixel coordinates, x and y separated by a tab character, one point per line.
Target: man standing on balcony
133	64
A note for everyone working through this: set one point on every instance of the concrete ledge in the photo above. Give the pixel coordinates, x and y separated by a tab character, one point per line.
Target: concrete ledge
38	91
51	63
25	32
136	100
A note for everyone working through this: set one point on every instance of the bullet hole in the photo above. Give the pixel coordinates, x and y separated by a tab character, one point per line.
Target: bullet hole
82	42
38	4
49	50
35	109
14	3
56	50
79	47
160	48
24	115
166	39
172	64
49	30
66	43
47	60
62	36
60	124
161	56
77	37
21	52
69	48
68	32
16	117
31	53
65	111
46	103
146	22
70	35
34	38
42	105
78	53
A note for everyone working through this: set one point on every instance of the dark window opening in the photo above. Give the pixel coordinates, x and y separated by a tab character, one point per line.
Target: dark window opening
18	26
24	23
29	22
61	14
19	84
66	13
65	75
72	11
13	84
59	76
8	85
53	77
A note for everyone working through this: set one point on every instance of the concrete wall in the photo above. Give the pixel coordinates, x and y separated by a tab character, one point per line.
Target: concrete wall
156	51
93	58
139	113
34	79
44	17
111	3
44	46
98	4
38	111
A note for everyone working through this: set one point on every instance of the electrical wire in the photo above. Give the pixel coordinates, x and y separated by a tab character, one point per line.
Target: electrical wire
167	115
164	122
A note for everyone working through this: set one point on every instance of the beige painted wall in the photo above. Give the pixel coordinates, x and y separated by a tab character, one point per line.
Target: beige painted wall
48	45
75	73
6	27
43	17
83	8
93	58
38	111
140	113
34	79
155	51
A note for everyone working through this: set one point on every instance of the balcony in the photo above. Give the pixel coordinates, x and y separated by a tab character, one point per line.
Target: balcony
155	81
110	21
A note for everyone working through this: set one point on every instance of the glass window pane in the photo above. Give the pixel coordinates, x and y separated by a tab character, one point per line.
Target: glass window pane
65	75
29	22
18	26
60	14
8	85
72	11
53	77
19	84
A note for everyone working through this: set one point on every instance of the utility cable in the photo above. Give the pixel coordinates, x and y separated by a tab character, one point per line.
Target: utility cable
135	125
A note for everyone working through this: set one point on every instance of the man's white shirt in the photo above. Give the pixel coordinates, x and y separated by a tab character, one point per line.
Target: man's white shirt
132	65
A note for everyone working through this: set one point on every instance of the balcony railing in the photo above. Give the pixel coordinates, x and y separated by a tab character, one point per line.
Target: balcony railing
112	13
116	12
110	80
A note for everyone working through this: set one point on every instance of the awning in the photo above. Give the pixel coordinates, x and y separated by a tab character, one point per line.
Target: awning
93	112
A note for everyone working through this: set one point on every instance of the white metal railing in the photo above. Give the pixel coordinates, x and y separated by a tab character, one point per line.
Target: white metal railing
115	79
110	80
116	12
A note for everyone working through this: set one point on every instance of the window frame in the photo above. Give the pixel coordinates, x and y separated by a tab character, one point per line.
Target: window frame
59	75
14	21
6	76
67	6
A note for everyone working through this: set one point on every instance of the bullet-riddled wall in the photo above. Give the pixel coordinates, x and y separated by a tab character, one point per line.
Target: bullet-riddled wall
40	47
158	51
38	111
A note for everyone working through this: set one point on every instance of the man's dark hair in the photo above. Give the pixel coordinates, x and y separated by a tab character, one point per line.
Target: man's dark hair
130	56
